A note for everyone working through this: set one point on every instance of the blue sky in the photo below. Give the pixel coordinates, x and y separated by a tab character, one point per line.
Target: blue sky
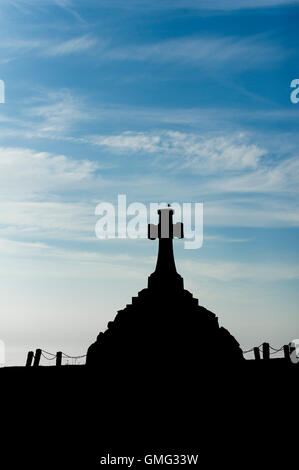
162	101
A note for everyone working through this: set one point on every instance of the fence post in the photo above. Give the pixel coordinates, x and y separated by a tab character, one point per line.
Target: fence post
257	355
30	356
58	358
37	357
286	352
266	351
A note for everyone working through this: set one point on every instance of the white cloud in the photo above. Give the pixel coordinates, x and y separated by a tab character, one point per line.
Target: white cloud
226	271
129	141
57	114
230	4
206	51
21	45
72	46
276	177
158	5
25	173
256	211
50	48
68	6
115	264
35	187
240	53
189	151
237	5
52	261
96	262
57	220
225	239
49	115
249	167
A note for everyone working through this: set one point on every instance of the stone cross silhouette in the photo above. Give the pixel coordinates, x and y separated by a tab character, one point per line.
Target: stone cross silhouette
165	227
165	272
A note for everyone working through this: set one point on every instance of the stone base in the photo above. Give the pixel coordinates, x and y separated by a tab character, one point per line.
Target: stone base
162	328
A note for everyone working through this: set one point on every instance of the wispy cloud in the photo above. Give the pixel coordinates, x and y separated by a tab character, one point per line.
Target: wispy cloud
242	53
223	271
158	5
231	271
249	167
129	142
61	263
57	112
48	48
72	46
37	220
280	177
207	52
25	173
69	6
228	4
26	6
256	211
49	115
189	151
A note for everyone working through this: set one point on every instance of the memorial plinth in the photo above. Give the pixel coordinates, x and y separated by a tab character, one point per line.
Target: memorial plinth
164	326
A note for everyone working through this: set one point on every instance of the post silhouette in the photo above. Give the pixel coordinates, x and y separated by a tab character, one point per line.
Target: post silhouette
286	352
58	358
257	355
266	351
37	357
29	360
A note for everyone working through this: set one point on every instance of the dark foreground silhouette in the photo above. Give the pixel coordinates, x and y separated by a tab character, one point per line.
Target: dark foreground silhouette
163	379
228	415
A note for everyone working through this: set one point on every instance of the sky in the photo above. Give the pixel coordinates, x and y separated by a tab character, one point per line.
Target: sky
163	101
